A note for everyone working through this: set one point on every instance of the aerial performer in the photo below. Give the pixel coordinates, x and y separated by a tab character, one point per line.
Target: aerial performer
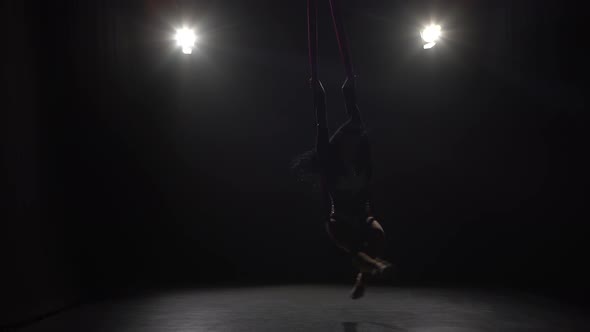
344	165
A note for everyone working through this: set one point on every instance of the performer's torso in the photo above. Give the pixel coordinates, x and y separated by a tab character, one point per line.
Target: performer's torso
348	177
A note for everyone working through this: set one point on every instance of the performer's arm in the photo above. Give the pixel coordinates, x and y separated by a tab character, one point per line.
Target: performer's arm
319	101
322	143
349	91
366	168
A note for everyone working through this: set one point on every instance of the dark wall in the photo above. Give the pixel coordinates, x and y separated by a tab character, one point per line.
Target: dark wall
170	169
476	162
37	274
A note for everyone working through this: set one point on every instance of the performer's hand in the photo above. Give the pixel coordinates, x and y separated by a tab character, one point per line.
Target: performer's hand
318	88
316	85
349	85
349	91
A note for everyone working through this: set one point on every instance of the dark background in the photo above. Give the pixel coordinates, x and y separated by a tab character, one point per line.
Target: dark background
126	164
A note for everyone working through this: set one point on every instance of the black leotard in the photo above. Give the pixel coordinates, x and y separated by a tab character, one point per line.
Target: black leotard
345	161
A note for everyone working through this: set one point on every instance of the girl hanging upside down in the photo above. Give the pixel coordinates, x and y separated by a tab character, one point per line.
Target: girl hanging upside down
345	167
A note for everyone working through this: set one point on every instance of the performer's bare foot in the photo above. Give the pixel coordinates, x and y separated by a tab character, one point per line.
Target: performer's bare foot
364	262
359	287
373	266
382	268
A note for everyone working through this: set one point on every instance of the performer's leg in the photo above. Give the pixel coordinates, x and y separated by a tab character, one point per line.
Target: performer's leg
360	250
365	263
376	246
358	290
339	234
375	239
345	238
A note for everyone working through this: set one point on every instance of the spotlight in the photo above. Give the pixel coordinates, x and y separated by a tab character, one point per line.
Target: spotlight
430	35
429	45
186	38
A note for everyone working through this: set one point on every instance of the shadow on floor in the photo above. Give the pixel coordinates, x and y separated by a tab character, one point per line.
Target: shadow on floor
352	326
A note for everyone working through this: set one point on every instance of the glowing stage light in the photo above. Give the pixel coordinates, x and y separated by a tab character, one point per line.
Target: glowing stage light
429	45
430	35
186	38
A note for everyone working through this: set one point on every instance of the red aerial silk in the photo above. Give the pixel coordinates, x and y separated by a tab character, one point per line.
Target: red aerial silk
312	10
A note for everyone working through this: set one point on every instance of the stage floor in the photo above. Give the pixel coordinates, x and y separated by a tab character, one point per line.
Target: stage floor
319	308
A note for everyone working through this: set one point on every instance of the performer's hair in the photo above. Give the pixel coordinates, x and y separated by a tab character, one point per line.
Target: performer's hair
306	167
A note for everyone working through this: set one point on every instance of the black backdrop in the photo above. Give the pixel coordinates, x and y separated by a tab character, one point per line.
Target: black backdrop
128	163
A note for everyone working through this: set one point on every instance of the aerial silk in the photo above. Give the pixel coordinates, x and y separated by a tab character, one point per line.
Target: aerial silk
312	10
